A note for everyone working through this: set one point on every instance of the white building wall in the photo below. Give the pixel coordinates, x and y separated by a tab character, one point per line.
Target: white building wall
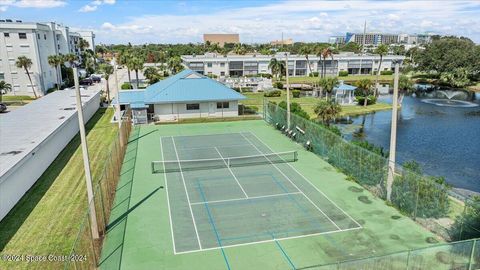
17	181
174	111
43	40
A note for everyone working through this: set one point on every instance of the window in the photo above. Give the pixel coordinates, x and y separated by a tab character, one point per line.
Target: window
222	64
193	107
209	64
45	36
22	35
2	76
223	105
6	34
38	36
222	73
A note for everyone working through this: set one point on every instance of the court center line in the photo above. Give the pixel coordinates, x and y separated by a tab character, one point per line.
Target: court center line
308	181
168	200
249	198
269	240
186	192
231	172
280	171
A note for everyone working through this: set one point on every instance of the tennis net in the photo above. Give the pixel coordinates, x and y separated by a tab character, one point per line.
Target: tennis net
218	163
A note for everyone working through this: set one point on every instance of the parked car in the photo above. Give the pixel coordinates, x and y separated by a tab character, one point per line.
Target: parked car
86	81
3	108
96	79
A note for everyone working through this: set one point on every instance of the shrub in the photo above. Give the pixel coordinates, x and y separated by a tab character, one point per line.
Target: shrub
126	86
295	108
371	147
265	75
247	110
343	73
296	93
466	225
51	90
371	100
278	85
386	72
274	93
313	74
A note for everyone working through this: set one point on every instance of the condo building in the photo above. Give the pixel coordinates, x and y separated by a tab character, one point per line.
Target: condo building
36	41
254	64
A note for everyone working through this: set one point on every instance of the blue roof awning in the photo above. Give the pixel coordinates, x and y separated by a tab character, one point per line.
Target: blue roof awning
345	87
138	105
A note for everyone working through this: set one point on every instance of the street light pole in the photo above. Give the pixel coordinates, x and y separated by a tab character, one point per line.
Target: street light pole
117	105
393	134
86	161
288	91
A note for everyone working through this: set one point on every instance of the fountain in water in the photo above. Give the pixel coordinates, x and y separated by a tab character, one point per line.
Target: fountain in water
451	94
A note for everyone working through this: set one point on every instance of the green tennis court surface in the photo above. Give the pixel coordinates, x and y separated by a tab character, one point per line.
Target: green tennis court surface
239	195
249	196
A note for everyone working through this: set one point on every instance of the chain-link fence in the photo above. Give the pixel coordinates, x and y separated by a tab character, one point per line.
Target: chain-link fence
426	199
86	249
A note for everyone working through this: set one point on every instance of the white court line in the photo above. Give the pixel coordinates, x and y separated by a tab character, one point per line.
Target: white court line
267	241
360	226
186	192
318	208
168	201
230	170
209	147
249	198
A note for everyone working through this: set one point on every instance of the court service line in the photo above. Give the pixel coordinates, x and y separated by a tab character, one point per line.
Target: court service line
268	241
249	198
186	192
231	172
280	171
360	226
168	200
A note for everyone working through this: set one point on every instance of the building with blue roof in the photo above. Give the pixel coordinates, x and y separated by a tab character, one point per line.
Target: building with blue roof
185	95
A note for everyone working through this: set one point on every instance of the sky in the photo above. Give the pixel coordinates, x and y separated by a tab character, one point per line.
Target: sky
168	21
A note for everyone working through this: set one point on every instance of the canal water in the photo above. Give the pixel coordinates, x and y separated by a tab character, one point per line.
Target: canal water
444	140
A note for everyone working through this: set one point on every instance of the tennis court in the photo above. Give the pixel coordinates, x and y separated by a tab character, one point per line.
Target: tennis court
231	189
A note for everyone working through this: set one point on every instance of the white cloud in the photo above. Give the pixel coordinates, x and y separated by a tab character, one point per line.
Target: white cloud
39	3
95	4
88	8
3	8
301	20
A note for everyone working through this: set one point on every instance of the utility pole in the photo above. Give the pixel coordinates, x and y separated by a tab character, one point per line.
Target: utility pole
393	134
117	106
86	161
288	91
363	46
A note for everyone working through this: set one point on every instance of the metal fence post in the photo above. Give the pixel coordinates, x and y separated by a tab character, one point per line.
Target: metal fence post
471	262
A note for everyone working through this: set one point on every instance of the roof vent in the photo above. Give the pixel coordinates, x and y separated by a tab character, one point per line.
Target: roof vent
68	109
13	153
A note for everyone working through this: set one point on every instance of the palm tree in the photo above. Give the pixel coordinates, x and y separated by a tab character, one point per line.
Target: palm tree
324	53
381	50
364	85
26	63
328	84
306	50
239	49
175	64
151	73
123	60
83	44
4	88
277	67
405	86
161	59
136	63
107	71
70	58
55	61
327	111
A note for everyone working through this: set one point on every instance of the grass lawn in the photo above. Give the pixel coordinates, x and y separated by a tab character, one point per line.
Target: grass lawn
17	100
143	239
349	78
308	104
46	220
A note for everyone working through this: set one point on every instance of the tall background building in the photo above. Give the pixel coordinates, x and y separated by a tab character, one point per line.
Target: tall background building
36	41
221	39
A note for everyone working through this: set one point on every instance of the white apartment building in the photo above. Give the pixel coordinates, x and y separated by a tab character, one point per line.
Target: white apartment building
254	64
36	41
